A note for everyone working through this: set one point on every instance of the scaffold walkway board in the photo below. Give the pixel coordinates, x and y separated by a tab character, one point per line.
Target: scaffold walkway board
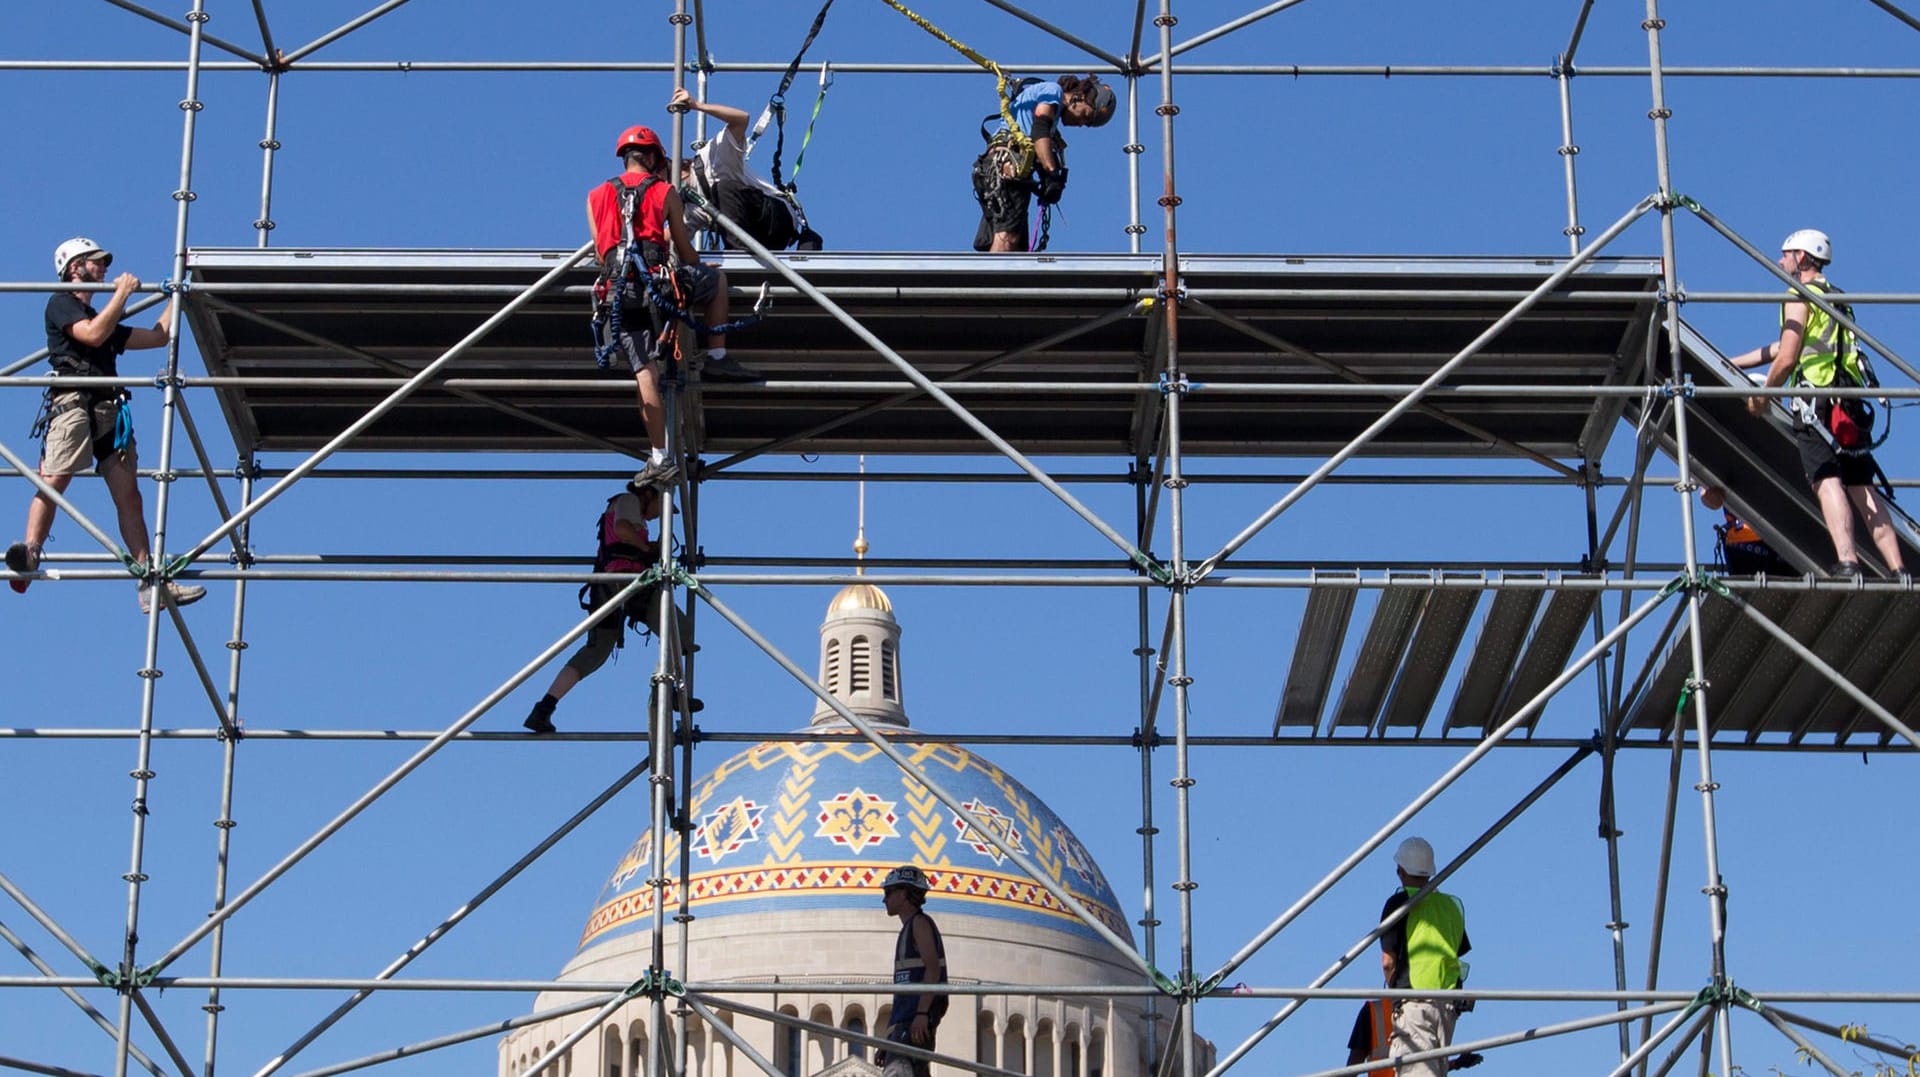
1762	691
1066	319
1408	653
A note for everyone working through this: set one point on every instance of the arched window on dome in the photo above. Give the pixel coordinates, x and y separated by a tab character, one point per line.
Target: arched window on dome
787	1045
610	1052
833	665
637	1050
855	1022
551	1069
985	1045
1013	1045
1097	1053
819	1047
889	673
860	666
1043	1049
1070	1052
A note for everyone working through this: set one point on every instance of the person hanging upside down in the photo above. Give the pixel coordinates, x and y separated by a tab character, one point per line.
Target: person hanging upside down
1006	179
719	171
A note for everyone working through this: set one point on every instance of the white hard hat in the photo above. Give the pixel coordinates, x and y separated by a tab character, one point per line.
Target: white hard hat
1812	241
78	247
1415	857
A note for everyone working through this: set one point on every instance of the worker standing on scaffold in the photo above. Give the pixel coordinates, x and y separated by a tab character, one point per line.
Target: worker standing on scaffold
1008	175
719	171
637	216
83	426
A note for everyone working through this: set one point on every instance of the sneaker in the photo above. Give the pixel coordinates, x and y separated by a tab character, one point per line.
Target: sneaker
694	705
22	559
662	473
1846	570
173	594
541	719
726	369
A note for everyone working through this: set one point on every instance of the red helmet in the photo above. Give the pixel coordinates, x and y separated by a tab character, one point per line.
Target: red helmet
636	136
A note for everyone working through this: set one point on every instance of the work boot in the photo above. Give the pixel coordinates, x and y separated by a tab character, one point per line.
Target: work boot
694	706
661	473
172	594
23	559
726	369
541	720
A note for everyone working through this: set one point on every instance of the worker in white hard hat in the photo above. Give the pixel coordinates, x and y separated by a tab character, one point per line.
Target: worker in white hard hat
919	957
1815	349
1421	952
92	427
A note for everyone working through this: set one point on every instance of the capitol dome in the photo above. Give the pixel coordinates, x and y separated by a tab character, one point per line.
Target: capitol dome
788	842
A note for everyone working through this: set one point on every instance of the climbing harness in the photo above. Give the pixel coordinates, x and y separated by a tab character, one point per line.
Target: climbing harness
776	109
88	400
630	271
613	555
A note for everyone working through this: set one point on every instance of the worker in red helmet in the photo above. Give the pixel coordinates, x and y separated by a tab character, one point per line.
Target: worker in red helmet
657	221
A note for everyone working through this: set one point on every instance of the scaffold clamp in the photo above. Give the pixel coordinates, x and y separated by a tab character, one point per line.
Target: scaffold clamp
1179	384
655	983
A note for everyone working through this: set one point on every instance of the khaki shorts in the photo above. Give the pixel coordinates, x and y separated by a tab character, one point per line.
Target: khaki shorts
81	437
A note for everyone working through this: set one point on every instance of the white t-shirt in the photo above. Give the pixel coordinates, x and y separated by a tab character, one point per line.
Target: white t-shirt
724	160
627	507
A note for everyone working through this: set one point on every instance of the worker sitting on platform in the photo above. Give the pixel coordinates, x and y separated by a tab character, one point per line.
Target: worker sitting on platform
623	546
93	426
1814	349
1015	169
637	217
719	171
1742	550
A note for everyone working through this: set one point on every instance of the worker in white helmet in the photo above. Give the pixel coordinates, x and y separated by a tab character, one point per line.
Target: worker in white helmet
92	427
1422	952
1815	349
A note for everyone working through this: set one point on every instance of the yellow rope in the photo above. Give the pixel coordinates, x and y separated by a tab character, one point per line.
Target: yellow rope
1022	144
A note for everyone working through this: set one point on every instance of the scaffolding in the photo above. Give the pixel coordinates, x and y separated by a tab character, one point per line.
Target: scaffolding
1133	353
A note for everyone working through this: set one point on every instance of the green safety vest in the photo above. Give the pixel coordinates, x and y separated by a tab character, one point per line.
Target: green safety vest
1435	926
1828	343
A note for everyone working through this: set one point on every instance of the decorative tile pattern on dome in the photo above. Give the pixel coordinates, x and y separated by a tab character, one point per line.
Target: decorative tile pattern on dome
632	910
788	826
856	820
988	817
727	828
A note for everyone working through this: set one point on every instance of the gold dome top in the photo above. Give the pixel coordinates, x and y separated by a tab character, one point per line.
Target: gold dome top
860	596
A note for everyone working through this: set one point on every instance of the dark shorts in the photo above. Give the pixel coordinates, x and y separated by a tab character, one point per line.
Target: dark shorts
763	216
1821	461
1004	201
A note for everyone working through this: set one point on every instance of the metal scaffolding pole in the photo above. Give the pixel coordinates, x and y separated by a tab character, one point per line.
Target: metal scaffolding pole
230	733
453	1039
75	997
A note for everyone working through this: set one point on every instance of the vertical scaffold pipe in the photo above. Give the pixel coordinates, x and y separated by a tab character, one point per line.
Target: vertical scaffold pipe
149	668
1563	74
1149	924
1177	592
269	145
229	744
1715	888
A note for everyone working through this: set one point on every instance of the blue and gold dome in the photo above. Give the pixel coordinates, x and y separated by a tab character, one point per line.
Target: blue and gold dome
789	826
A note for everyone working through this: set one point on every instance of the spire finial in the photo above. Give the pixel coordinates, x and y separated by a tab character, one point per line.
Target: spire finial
860	536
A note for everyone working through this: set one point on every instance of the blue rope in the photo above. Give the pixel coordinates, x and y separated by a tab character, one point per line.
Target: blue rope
123	424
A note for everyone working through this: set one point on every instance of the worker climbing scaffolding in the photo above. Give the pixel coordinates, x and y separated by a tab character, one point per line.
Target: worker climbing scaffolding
638	224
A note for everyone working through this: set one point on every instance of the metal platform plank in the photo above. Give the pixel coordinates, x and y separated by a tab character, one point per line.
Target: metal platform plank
1495	650
1793	708
1867	667
1554	639
1655	706
1316	650
1435	642
1379	658
1755	679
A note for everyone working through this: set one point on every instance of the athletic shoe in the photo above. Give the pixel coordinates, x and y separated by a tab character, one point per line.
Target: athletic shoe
661	473
726	369
1846	570
172	594
541	719
23	559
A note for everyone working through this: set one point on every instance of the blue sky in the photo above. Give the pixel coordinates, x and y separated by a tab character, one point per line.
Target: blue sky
1813	846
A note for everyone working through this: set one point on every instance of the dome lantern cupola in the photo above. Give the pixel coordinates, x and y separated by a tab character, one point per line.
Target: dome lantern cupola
860	657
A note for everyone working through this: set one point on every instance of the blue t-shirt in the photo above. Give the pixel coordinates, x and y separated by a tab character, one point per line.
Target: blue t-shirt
1047	92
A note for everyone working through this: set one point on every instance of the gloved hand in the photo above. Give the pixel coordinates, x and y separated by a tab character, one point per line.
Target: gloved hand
1050	184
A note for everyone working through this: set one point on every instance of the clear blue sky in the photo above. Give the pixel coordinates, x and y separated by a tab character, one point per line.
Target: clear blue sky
1816	848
